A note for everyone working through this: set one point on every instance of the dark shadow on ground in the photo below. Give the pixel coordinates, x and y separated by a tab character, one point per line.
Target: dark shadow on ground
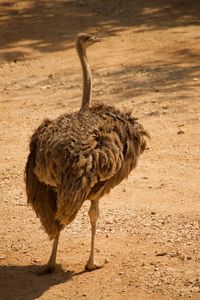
140	80
48	26
22	282
166	79
122	84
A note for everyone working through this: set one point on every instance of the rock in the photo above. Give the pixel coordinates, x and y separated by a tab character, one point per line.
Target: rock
180	131
182	257
45	87
163	253
195	289
153	113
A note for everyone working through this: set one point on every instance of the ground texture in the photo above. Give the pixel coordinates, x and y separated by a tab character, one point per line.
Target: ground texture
149	228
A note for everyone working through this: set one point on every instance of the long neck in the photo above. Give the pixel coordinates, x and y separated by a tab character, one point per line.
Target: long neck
87	78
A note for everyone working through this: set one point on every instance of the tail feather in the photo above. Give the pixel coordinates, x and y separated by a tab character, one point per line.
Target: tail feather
41	197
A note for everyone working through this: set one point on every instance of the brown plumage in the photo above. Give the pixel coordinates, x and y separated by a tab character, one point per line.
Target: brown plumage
80	156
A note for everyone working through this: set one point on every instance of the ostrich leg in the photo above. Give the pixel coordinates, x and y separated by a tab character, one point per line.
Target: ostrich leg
51	265
93	214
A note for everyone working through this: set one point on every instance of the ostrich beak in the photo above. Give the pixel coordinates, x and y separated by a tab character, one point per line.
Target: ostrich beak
96	39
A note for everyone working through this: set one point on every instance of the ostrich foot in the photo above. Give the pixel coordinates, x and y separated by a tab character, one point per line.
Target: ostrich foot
51	264
91	267
48	269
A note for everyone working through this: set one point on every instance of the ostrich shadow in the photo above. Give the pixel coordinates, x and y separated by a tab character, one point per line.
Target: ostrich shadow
22	282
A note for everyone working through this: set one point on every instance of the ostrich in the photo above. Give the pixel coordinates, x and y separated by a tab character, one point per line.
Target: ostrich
77	157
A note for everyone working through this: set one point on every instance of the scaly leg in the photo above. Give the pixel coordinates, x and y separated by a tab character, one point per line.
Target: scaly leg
93	214
51	265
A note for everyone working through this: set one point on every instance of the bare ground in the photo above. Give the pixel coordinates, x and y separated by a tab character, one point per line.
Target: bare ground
149	228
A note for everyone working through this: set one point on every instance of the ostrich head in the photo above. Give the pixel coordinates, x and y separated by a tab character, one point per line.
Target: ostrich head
86	39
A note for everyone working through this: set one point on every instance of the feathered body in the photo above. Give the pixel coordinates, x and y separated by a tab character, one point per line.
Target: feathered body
80	156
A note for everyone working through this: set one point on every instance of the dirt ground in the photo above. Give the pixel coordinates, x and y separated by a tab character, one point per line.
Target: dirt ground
149	230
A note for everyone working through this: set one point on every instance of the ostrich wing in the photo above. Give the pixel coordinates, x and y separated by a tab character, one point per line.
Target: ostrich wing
90	167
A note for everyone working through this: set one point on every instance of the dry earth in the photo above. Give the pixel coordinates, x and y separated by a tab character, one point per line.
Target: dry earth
149	228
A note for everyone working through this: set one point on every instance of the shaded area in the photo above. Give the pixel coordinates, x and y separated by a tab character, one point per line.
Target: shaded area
52	25
135	81
22	282
140	80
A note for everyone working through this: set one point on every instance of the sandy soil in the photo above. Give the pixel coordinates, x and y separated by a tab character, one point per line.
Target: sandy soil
149	228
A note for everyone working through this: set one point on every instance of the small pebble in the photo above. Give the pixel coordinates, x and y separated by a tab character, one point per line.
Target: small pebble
161	253
181	131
